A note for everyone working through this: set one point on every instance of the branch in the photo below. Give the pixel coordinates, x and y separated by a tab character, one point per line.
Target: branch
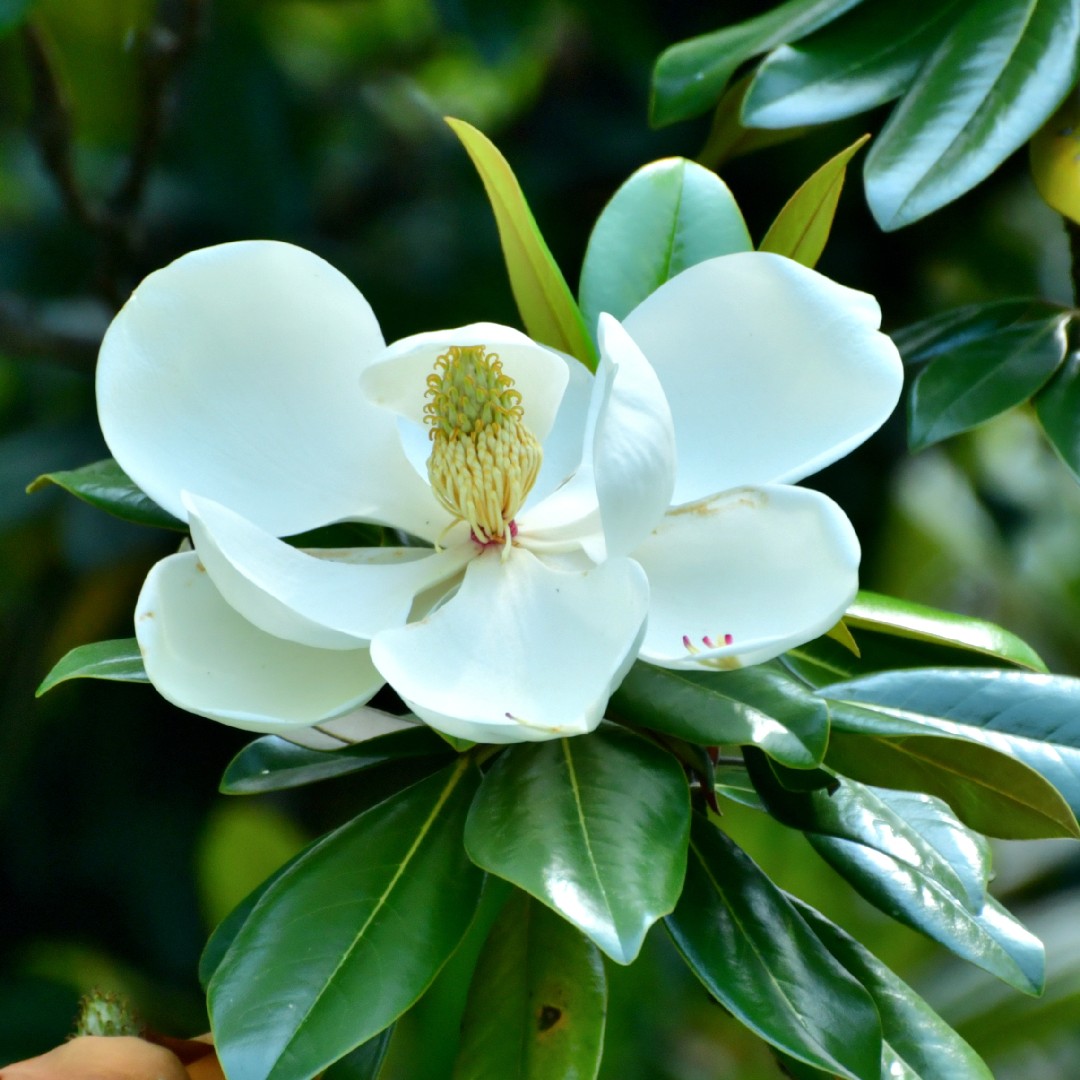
68	333
165	48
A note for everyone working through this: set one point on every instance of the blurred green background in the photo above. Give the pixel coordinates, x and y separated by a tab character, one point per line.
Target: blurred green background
319	122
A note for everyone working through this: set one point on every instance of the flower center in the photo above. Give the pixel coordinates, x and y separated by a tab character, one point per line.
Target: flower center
484	460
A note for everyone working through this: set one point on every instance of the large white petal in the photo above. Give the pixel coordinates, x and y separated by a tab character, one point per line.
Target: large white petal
397	379
772	371
235	372
634	444
522	652
772	567
333	600
206	658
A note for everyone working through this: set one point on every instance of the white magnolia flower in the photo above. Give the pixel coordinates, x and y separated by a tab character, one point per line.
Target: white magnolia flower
575	523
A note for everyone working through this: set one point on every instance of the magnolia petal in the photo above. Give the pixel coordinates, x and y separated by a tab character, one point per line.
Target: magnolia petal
333	600
772	371
206	658
354	727
234	371
634	444
564	445
397	379
522	652
770	567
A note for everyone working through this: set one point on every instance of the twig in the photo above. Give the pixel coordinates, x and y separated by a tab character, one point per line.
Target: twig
52	125
69	337
164	49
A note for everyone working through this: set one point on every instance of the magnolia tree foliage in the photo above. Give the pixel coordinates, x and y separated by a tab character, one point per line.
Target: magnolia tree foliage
574	562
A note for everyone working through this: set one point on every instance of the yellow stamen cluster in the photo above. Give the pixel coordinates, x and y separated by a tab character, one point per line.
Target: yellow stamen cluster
484	460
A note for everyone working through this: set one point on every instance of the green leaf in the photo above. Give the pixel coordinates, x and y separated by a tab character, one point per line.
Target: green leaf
1058	408
942	334
759	705
537	1002
118	660
915	1036
733	782
744	940
1033	718
856	63
13	13
595	827
979	380
729	138
543	298
374	910
690	76
999	73
668	216
801	229
273	764
904	618
909	856
988	789
106	486
363	1063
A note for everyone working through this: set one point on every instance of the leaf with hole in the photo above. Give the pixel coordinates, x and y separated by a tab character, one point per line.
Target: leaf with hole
537	1001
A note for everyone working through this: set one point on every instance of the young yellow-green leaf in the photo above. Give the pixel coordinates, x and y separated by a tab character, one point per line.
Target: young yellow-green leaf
904	618
1055	158
544	300
537	1003
801	229
729	138
118	661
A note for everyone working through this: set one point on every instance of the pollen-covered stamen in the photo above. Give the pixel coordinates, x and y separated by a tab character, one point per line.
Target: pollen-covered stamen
484	460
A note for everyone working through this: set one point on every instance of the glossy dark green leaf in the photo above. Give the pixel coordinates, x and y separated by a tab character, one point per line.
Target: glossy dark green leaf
802	227
543	298
1033	718
370	914
363	1063
537	1002
944	333
999	73
988	790
668	216
759	705
378	787
106	486
733	782
744	940
689	77
118	660
272	763
981	379
595	827
1058	409
905	618
908	855
918	1045
856	63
